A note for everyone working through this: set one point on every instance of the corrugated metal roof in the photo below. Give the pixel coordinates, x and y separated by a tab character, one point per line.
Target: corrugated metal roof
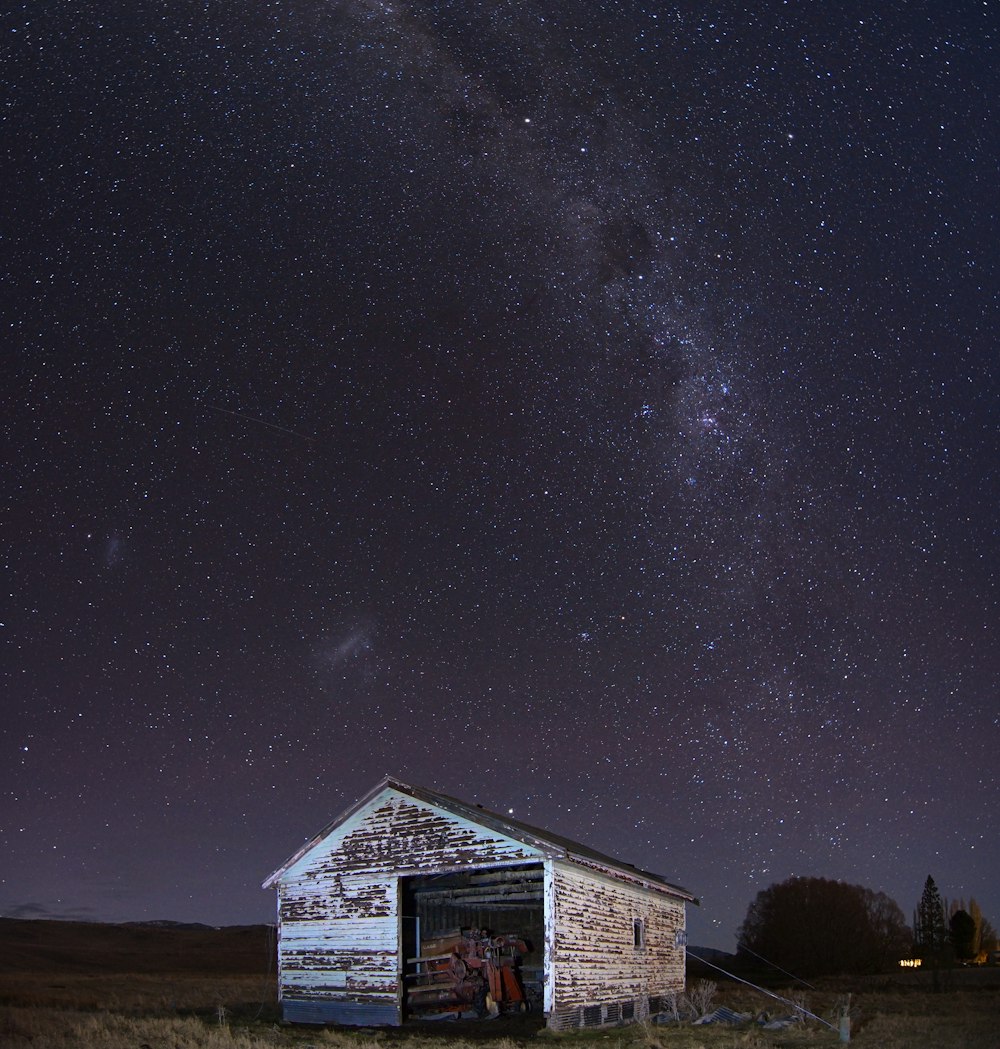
552	845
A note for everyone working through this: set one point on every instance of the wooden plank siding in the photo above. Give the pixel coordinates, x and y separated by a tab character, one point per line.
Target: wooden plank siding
339	904
592	956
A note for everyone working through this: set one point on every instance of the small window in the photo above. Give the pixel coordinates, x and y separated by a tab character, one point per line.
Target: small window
638	933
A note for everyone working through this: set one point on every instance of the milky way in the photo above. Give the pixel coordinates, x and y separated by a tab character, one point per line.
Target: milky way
582	409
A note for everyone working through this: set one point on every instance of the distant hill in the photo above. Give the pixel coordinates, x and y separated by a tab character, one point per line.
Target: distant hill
697	957
164	923
135	947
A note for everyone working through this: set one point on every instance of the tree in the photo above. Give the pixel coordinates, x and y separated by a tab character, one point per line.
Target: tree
962	933
815	926
930	931
886	933
986	937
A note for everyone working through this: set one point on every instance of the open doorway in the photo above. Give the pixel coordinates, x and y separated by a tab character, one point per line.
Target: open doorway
473	941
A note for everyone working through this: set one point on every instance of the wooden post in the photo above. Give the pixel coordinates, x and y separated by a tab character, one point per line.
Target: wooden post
845	1022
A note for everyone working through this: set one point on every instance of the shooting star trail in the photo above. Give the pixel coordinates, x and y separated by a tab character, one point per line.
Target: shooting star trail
261	422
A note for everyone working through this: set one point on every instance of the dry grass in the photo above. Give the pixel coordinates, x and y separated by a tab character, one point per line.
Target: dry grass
137	992
63	1029
181	1011
954	1020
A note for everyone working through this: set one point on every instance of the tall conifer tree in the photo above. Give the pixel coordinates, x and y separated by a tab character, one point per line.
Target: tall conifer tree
932	931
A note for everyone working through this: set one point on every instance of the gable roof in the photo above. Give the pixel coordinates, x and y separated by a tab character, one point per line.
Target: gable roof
552	845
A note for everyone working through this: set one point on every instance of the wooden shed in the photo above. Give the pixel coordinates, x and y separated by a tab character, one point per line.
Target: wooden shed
363	907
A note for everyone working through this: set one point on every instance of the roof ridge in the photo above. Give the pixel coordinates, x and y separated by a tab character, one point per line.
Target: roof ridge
556	845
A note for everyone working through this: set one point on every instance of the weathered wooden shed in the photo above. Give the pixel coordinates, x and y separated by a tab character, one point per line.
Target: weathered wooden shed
606	939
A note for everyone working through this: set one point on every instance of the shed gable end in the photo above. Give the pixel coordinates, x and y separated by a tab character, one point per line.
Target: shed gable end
397	833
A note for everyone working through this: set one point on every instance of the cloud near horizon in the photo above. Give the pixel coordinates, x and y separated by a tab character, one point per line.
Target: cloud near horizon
56	911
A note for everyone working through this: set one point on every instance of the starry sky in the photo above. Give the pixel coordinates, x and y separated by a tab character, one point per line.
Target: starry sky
584	409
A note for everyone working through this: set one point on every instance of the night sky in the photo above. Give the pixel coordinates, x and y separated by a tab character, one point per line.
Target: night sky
583	409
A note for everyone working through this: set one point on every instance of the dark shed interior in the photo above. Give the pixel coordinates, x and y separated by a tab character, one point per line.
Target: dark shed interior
504	902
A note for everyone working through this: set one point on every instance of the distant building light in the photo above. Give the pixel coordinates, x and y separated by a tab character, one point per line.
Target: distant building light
909	963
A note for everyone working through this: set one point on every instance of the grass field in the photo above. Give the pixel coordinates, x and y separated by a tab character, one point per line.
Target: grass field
68	995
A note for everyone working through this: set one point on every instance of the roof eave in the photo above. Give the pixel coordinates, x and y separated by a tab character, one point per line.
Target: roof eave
643	878
485	818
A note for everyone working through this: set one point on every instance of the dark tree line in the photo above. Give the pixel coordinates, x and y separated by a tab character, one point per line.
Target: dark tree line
816	926
943	933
